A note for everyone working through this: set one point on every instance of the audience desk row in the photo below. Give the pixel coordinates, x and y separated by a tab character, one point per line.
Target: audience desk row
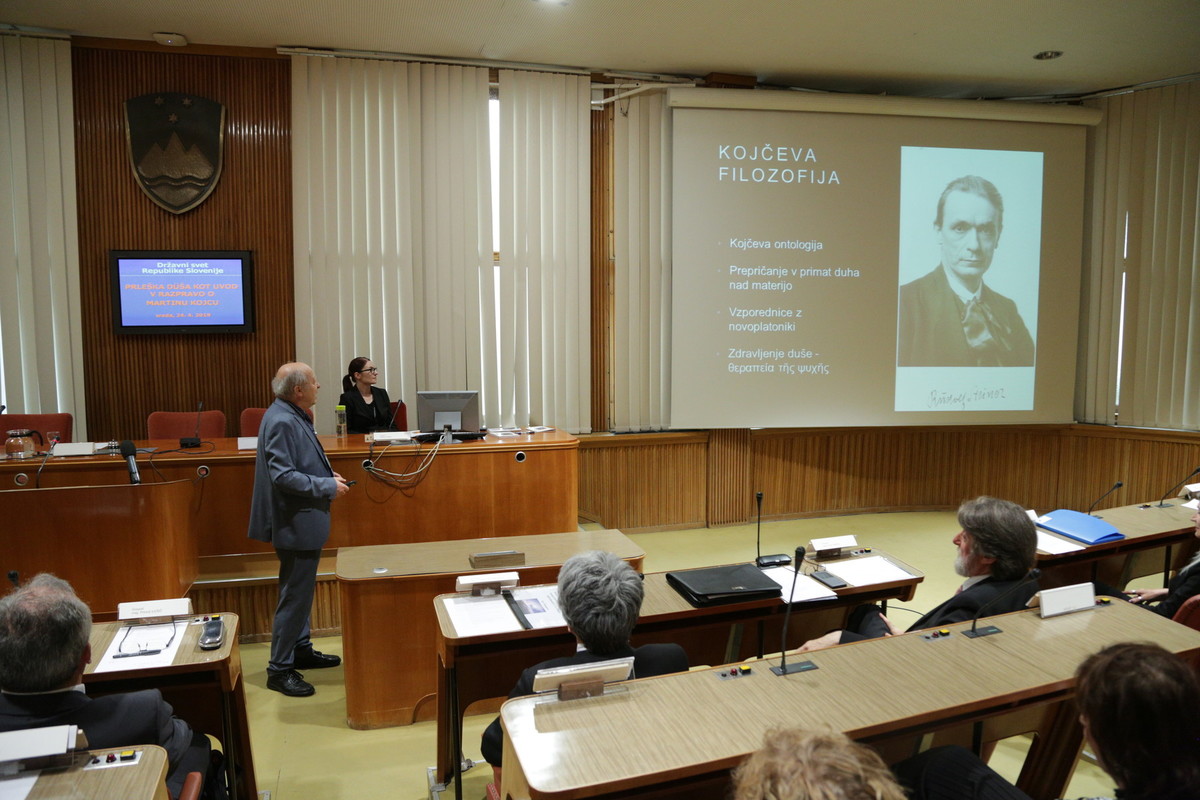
144	780
684	732
203	686
477	667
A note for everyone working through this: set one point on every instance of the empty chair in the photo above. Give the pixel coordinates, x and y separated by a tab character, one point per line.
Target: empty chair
399	416
1189	613
42	423
182	424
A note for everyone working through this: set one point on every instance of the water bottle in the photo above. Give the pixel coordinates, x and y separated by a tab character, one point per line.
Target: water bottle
339	414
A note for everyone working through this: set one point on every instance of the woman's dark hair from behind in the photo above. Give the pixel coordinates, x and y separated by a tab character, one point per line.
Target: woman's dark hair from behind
356	365
1141	704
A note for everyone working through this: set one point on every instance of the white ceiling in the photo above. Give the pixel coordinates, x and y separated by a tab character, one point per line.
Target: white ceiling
943	48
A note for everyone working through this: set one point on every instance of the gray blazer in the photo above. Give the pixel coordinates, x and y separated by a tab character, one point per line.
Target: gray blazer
293	482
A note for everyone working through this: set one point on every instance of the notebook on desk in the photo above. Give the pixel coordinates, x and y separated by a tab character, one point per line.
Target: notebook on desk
728	584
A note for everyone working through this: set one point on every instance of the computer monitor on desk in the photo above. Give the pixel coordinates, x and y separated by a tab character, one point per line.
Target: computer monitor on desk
457	410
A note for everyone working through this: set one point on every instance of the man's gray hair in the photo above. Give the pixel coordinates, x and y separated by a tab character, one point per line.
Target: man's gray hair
44	628
600	596
285	382
973	184
1001	530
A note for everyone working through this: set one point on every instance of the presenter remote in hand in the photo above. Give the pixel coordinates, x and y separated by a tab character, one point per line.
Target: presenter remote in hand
368	407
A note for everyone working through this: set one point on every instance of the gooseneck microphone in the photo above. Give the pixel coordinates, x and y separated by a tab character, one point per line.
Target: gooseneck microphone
129	453
799	666
1162	501
988	630
195	440
764	562
1115	486
391	425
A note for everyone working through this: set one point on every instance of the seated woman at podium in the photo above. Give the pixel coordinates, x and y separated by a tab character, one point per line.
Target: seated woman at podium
1184	585
600	597
368	408
1139	706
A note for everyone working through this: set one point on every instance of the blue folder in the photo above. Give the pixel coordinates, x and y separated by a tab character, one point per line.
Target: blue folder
1080	527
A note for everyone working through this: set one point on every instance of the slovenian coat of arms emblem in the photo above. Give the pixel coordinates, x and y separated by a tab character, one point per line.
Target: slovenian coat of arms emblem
175	143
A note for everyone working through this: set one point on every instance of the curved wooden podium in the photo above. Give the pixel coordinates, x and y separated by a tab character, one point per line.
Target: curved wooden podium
113	543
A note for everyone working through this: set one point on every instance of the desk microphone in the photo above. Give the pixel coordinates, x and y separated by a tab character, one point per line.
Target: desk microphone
129	453
763	562
797	666
391	425
1162	501
988	630
195	440
1115	486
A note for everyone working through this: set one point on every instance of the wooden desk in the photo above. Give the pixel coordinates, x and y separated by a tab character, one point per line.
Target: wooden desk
145	780
473	668
701	725
1147	529
389	631
203	686
471	489
104	540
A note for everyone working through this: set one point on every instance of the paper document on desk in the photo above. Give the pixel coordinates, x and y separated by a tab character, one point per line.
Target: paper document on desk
806	587
480	616
130	640
866	571
1049	543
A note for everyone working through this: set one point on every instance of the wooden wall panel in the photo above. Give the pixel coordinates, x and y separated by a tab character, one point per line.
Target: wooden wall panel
254	603
127	377
630	481
645	481
602	266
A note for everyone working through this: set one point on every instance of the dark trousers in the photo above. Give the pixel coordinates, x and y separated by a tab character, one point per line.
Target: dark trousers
297	584
953	773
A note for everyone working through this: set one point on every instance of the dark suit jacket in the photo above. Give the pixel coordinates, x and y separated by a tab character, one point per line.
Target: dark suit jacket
648	660
960	607
1184	585
931	332
115	720
363	418
293	482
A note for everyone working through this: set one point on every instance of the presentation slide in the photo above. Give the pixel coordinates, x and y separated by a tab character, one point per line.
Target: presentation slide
837	269
184	292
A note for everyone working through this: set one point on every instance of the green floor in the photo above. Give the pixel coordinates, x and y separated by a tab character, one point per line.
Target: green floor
303	749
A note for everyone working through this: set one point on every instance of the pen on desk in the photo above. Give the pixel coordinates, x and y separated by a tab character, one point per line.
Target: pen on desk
138	653
516	609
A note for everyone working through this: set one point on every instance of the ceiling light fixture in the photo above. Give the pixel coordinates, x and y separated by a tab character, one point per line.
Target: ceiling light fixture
171	39
1048	55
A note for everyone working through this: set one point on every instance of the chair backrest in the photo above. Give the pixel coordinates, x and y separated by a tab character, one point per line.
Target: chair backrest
180	424
42	423
400	415
1189	613
250	421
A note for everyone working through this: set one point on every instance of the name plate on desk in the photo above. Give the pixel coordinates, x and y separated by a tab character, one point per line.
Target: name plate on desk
497	558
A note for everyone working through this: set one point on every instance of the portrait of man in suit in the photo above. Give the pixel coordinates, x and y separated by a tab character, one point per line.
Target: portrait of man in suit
950	317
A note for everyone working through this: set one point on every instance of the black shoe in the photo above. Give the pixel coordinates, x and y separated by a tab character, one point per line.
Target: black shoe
311	659
289	682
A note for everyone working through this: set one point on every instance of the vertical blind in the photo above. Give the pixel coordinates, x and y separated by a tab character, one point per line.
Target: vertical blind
1142	263
392	218
543	284
41	343
642	268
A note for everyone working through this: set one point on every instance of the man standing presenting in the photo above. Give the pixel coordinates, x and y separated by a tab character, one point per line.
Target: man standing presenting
949	317
293	487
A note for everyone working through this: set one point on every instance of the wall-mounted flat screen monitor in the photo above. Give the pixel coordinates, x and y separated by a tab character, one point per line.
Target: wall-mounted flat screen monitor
182	291
459	410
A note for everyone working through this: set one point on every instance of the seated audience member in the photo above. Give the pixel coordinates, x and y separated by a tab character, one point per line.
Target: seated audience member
600	597
44	630
368	407
813	765
997	547
1184	585
1139	706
